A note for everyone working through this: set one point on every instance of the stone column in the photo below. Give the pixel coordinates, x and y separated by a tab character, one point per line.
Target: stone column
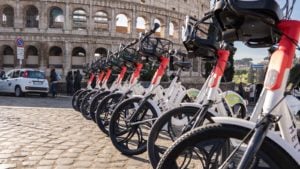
43	55
167	27
90	21
18	16
68	19
43	19
112	22
133	23
67	58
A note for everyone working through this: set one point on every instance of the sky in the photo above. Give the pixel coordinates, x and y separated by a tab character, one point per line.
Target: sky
257	54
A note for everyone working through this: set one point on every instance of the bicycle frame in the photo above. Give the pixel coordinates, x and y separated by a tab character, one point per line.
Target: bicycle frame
271	100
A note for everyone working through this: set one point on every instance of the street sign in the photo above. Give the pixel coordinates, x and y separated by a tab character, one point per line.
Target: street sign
20	52
20	42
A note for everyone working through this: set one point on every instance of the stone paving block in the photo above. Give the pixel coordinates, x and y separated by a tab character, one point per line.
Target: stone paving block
46	162
83	164
51	156
8	166
64	161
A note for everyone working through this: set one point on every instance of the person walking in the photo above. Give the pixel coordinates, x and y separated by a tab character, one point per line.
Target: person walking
77	81
53	82
69	81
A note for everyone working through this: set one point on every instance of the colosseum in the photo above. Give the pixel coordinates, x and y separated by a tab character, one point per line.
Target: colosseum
68	33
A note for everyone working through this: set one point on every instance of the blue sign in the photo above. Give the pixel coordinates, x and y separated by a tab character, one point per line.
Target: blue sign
20	42
257	66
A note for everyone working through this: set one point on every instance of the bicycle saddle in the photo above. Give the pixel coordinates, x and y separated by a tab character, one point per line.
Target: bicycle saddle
183	64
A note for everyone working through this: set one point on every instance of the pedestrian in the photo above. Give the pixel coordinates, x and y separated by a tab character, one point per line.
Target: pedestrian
2	73
241	90
69	83
77	80
258	89
53	82
252	93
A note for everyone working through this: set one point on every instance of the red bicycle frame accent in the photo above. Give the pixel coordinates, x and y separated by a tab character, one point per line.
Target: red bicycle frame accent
282	58
136	73
219	69
161	69
92	76
121	74
100	77
107	75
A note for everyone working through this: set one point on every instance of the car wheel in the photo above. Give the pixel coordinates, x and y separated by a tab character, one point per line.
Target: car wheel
18	92
43	94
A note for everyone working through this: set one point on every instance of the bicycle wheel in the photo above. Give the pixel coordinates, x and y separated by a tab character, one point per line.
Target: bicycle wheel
167	128
80	98
75	97
105	109
95	102
127	137
209	146
84	107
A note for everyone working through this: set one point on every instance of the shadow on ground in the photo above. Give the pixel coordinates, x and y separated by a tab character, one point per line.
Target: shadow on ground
36	101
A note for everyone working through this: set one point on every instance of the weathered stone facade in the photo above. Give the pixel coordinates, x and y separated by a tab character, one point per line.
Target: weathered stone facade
67	33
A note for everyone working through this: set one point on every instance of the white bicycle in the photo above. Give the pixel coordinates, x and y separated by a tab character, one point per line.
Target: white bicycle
269	139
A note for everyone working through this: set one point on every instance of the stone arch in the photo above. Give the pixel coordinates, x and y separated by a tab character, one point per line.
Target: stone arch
140	24
79	18
78	57
173	30
31	57
31	17
8	56
160	31
100	52
122	23
55	57
101	20
7	16
56	17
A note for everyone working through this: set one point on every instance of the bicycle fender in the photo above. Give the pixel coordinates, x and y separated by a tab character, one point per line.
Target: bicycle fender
154	105
272	135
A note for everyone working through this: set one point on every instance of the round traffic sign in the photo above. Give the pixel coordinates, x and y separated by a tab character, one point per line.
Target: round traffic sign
20	42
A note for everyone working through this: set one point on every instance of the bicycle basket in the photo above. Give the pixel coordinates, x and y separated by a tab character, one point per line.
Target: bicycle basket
200	40
155	47
249	21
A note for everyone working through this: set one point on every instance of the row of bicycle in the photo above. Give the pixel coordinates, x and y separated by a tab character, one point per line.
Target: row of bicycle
212	130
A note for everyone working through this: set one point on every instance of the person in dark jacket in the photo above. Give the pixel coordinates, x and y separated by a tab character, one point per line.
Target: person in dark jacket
69	81
77	80
53	82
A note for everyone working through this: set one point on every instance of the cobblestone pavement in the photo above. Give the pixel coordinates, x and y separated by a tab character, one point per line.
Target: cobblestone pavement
46	133
32	135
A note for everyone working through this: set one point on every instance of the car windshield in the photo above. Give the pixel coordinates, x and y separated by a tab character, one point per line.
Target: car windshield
36	74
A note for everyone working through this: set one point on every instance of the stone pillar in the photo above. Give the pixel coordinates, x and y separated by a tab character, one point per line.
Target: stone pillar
90	21
89	52
112	22
133	23
68	19
43	55
167	27
43	13
18	16
67	57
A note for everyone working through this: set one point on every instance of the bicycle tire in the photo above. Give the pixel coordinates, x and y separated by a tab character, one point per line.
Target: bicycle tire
104	110
95	102
84	107
157	131
74	98
80	98
115	129
278	157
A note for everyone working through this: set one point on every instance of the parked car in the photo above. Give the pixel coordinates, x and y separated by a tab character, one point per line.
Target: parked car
22	81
